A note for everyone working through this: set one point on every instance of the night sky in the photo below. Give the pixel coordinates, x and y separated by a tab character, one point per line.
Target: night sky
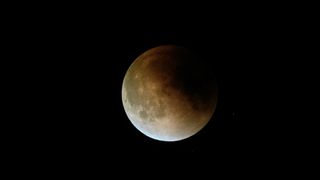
93	65
79	60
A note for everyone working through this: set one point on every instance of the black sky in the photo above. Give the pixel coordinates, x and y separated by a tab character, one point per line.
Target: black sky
90	62
79	59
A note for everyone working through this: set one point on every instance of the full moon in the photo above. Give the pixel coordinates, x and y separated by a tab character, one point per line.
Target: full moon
168	94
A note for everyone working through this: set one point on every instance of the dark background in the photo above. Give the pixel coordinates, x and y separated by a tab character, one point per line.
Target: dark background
76	59
89	62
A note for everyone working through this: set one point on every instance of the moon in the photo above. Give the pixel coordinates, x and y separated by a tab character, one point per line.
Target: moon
167	94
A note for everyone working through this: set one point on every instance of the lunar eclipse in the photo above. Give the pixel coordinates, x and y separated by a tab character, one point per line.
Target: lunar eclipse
167	94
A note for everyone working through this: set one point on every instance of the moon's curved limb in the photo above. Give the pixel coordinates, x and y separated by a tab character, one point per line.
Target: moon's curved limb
167	95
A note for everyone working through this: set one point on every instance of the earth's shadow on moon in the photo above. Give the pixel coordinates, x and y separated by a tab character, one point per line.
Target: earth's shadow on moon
215	132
